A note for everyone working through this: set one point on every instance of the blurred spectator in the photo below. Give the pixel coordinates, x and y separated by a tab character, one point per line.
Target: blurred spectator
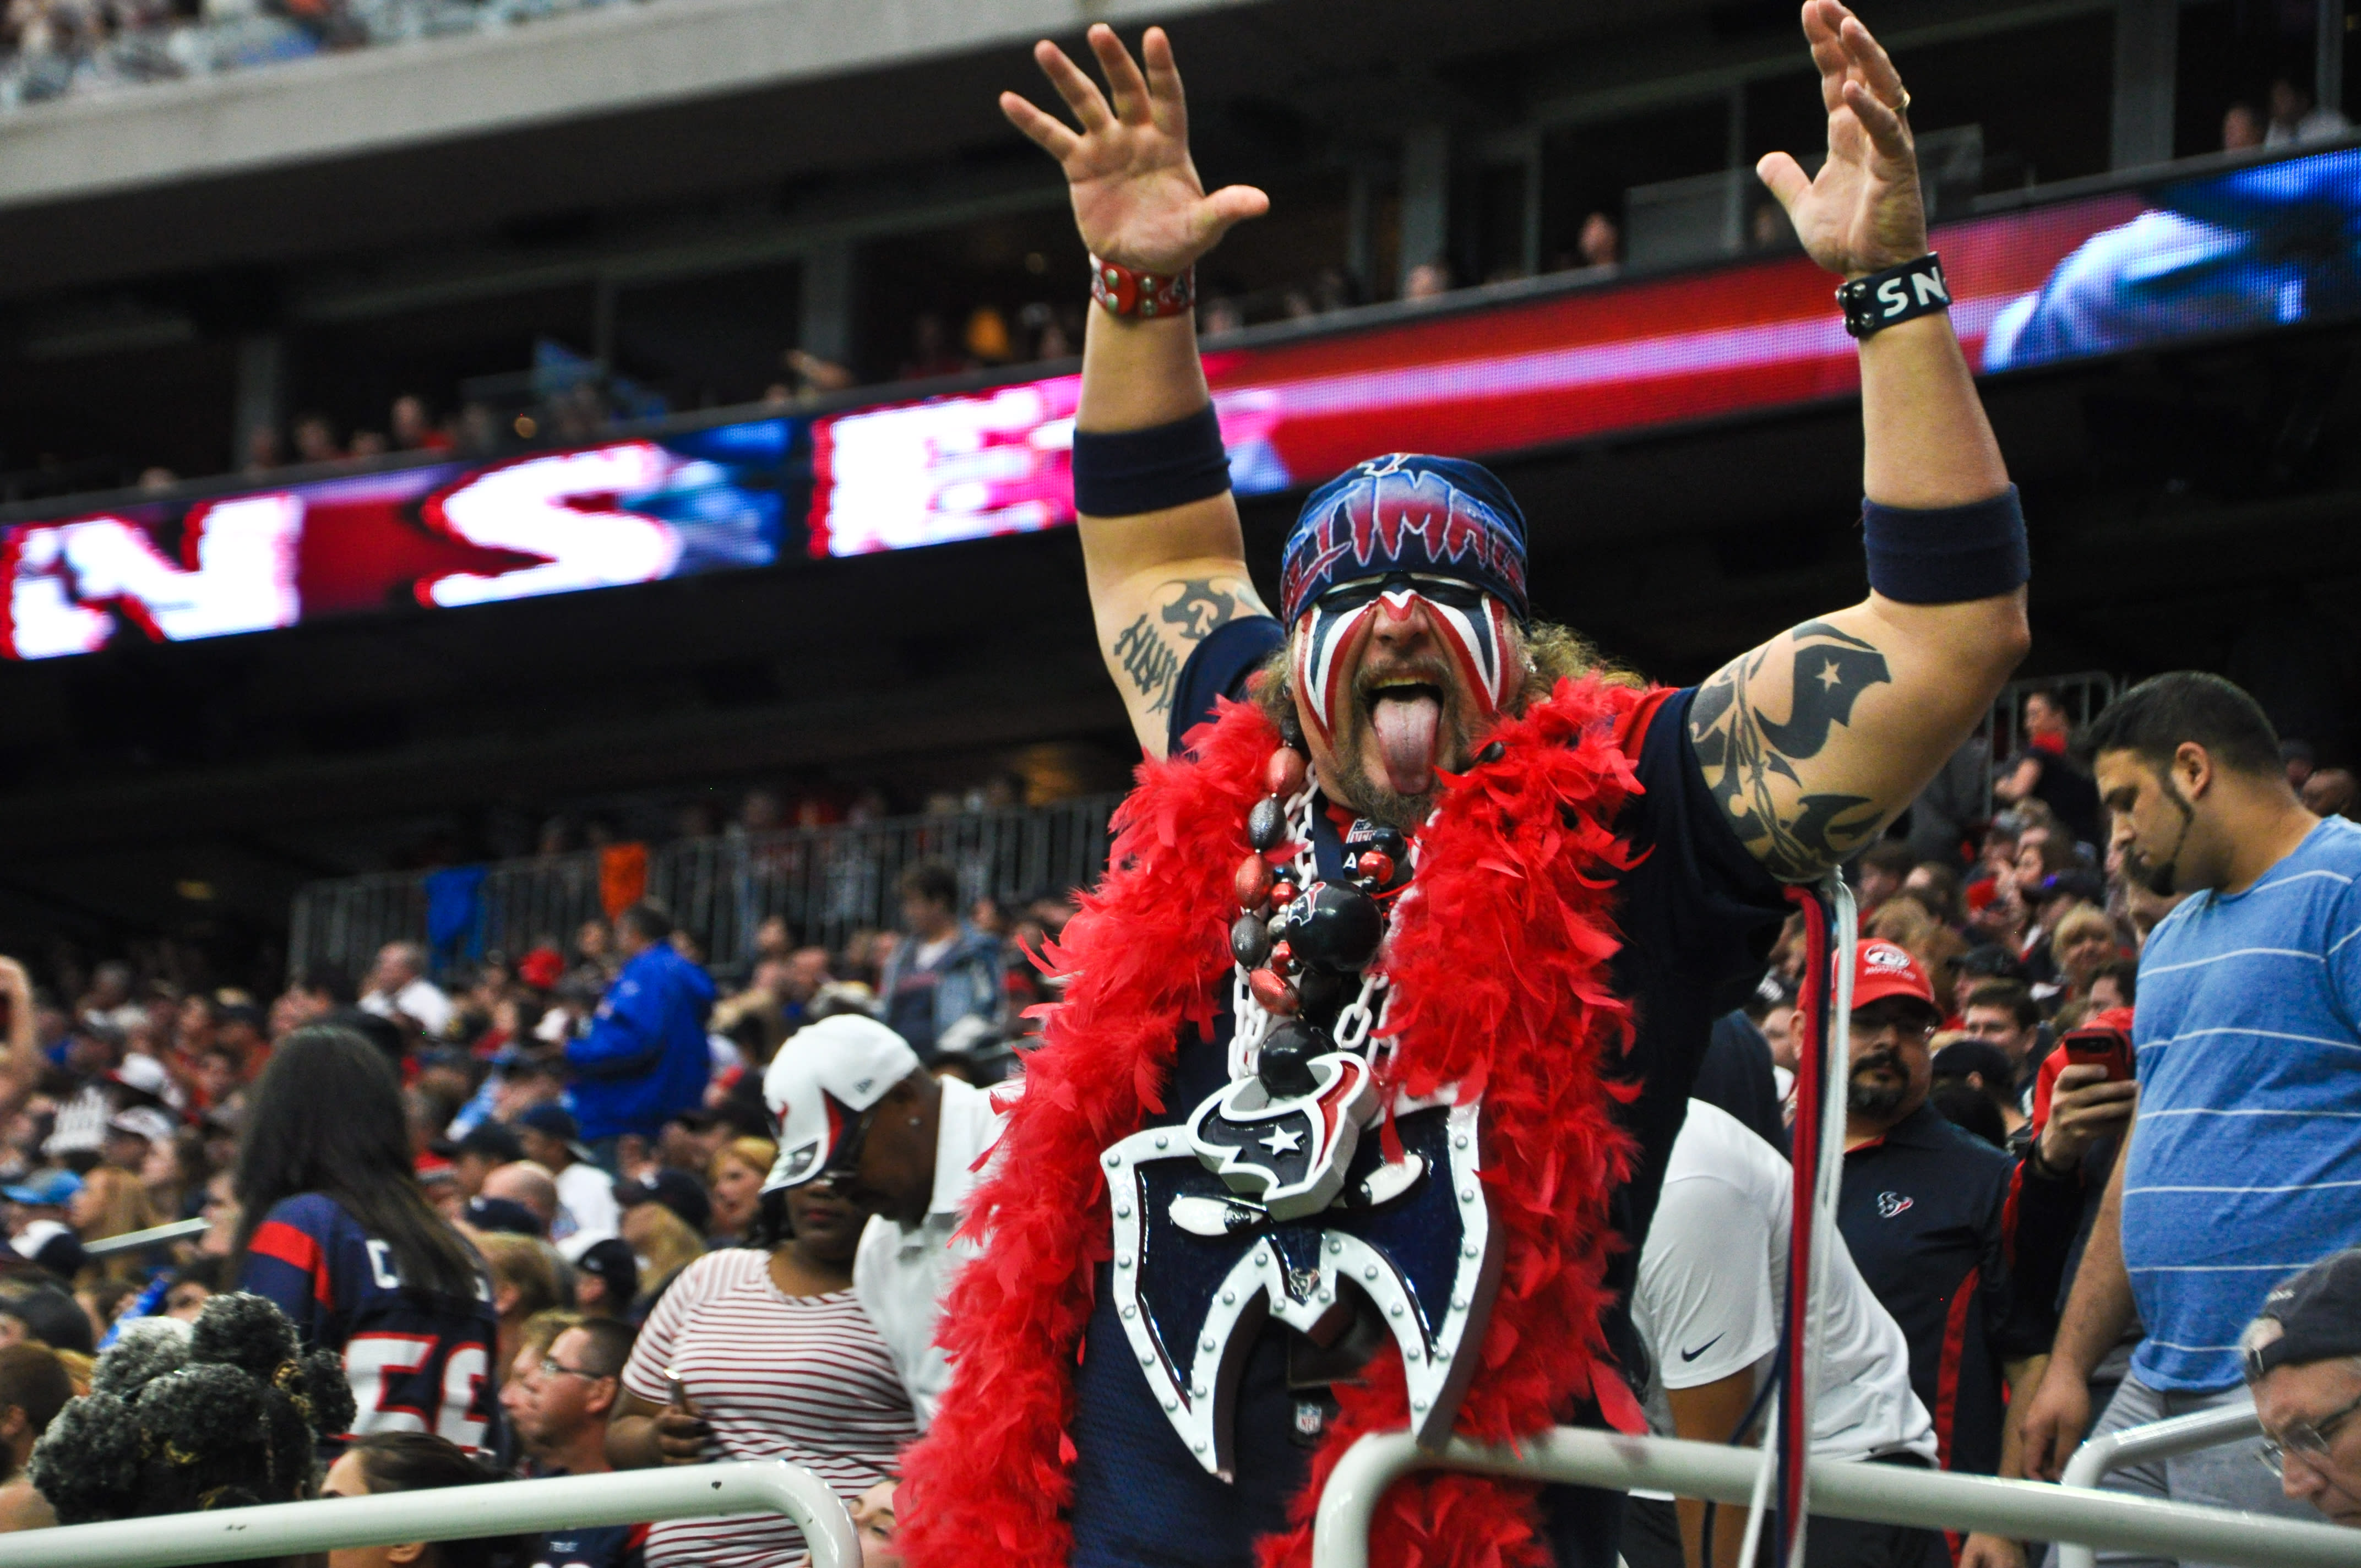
413	428
2297	756
530	1187
2296	121
735	1179
2302	1355
315	440
112	1202
1924	1208
2002	1014
606	1278
856	1109
526	1280
987	338
33	1389
398	986
2083	945
1427	281
931	351
1219	315
2332	792
1599	242
2242	128
1881	871
1709	1282
261	449
2249	990
664	1244
39	1231
486	1146
574	1391
941	986
1986	1071
548	1136
2045	770
816	378
645	1057
414	1462
763	1353
43	1314
367	444
337	1232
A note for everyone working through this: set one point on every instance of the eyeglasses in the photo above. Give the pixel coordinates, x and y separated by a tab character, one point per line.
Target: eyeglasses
1870	1028
2309	1440
552	1367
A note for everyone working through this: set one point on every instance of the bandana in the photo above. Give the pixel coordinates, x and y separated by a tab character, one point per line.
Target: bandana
1475	625
1436	517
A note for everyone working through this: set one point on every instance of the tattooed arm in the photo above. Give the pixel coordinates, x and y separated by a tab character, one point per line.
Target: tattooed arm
1817	739
1814	741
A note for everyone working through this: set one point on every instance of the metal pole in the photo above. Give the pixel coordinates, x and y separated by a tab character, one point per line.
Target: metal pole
507	1507
2157	1439
132	1241
1884	1494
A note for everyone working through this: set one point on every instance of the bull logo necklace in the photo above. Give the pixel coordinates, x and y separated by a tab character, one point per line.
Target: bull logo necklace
1269	1201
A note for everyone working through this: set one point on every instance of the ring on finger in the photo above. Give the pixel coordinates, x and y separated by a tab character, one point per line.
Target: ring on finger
1903	106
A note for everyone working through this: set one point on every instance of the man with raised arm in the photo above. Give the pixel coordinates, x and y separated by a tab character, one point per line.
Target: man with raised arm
1376	1038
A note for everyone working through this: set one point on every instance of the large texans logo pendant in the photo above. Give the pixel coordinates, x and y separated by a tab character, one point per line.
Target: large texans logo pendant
1262	1208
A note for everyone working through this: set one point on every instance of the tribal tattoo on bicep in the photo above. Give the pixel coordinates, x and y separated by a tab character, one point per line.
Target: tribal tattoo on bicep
1150	650
1758	767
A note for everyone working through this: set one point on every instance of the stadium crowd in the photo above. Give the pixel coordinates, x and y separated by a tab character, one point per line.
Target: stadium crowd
538	1212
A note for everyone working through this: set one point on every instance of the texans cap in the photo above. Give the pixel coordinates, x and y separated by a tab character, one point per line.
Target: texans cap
822	1080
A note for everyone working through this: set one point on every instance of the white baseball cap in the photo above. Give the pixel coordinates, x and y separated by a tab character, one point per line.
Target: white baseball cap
823	1079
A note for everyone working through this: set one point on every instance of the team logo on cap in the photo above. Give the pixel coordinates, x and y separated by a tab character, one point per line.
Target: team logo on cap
1886	955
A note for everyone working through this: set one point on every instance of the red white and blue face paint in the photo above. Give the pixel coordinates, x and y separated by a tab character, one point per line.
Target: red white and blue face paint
1475	628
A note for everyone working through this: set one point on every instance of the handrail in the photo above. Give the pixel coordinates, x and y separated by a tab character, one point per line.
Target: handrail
504	1507
155	1235
2157	1439
1884	1494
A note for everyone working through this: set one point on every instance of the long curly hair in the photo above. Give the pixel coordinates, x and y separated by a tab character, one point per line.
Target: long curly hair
183	1420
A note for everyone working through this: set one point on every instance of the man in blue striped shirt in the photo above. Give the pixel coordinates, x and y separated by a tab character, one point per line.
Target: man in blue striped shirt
2244	1161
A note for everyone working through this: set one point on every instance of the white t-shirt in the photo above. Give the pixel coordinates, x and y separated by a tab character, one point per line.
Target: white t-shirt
587	1193
421	999
1708	1300
902	1273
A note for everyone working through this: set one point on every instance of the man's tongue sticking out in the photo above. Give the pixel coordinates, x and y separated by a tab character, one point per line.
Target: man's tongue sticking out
1406	724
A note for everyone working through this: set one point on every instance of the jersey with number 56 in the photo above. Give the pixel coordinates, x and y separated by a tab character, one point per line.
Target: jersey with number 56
419	1360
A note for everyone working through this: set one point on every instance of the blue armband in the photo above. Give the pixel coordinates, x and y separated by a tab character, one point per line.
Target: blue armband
1947	555
1125	473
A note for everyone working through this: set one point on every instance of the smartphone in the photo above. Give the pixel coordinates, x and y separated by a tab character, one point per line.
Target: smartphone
679	1389
2109	1049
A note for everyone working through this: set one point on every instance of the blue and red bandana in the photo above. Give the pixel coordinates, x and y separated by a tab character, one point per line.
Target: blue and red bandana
1438	517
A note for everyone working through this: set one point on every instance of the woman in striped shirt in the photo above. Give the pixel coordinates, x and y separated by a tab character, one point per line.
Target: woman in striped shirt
762	1353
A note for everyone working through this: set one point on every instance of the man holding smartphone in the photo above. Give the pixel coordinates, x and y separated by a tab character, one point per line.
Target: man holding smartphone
2247	1144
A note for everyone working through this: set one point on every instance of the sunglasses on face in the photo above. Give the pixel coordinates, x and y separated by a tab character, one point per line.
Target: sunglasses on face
2305	1440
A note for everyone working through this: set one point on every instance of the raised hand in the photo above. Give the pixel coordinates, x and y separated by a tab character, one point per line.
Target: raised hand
1138	198
1863	210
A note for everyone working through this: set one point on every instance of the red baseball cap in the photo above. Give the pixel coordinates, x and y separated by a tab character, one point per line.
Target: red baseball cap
1883	969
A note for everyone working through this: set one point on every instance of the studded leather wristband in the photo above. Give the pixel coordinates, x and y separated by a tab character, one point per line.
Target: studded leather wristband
1148	295
1898	294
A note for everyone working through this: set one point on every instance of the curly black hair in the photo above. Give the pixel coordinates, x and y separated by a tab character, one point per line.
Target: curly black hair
226	1414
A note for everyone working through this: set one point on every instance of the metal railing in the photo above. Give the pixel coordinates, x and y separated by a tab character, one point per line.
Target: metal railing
2157	1439
826	883
155	1235
1853	1490
455	1513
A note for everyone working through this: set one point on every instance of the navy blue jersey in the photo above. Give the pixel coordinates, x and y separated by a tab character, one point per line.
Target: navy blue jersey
419	1360
1934	1215
1698	915
609	1546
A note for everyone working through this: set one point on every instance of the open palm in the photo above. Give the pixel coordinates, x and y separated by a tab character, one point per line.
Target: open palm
1138	198
1863	210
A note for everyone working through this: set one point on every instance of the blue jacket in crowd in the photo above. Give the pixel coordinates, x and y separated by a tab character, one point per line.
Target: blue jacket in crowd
645	1055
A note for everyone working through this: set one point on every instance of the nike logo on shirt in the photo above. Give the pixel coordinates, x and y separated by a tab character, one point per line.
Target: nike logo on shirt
1693	1354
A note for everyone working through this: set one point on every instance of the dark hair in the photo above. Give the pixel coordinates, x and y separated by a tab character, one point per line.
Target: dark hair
34	1380
420	1461
1965	1106
2125	972
52	1317
2163	713
648	920
1889	855
610	1345
929	880
2008	993
226	1415
327	1117
331	981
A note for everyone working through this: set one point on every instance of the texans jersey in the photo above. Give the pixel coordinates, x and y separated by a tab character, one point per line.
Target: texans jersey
609	1546
419	1361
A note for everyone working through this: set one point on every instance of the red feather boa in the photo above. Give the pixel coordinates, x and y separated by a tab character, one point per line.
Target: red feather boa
1499	968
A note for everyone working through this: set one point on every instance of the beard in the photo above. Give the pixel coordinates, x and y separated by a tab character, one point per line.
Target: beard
1878	1102
1367	790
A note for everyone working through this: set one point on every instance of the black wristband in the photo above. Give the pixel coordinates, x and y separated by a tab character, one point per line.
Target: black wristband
1124	473
1898	294
1947	555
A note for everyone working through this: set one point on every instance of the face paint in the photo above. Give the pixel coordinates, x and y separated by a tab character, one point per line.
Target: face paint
1475	624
